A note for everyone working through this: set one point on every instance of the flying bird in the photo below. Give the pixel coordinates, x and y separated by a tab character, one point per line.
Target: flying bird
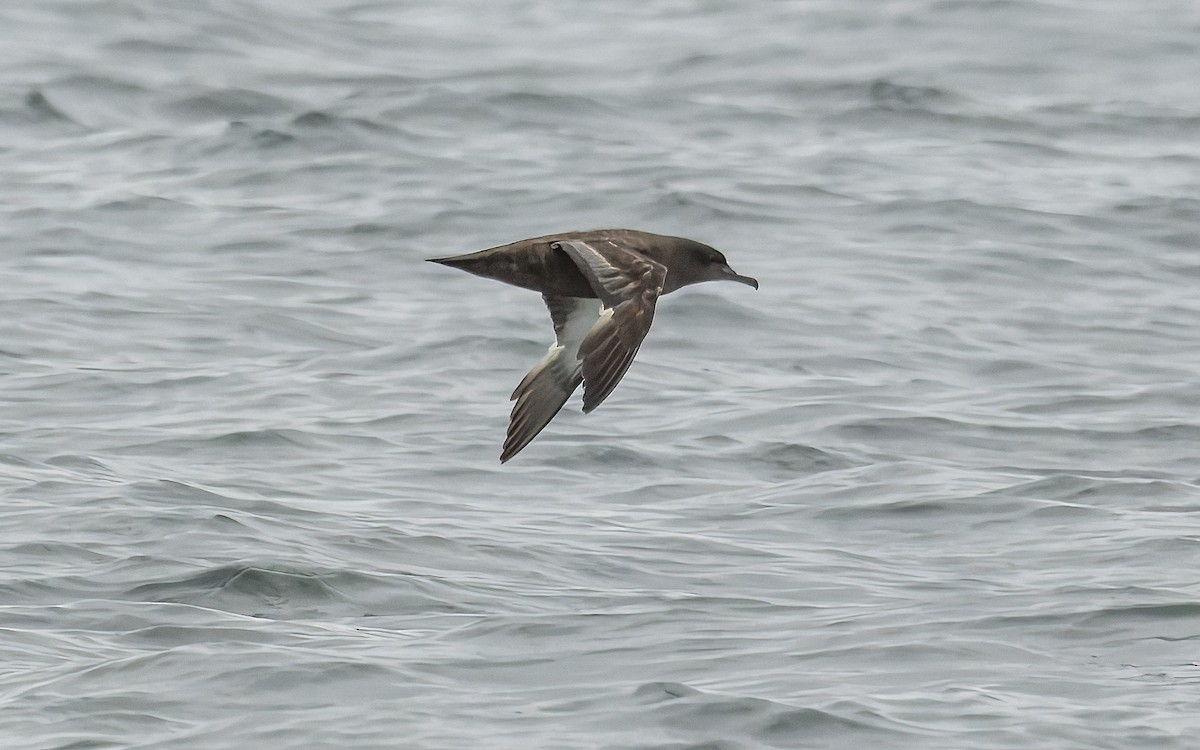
601	287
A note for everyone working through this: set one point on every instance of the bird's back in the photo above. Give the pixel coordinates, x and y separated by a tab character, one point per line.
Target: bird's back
534	264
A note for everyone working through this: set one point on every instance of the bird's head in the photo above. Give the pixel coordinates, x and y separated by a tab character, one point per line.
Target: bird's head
694	262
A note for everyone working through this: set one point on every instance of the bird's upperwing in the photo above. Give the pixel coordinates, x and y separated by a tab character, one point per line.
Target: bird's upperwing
628	284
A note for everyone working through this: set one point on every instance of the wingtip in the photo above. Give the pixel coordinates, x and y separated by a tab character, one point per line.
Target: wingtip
510	449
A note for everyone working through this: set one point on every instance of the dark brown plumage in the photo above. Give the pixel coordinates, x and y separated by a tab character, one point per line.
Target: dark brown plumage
626	271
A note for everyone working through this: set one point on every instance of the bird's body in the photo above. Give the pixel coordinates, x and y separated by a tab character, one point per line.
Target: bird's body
626	271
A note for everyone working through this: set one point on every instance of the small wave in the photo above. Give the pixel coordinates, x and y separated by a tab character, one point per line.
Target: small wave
774	723
37	103
228	104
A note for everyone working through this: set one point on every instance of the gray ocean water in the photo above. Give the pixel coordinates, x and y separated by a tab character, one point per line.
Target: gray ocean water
936	485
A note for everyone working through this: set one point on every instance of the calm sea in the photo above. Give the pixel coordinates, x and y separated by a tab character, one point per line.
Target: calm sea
935	486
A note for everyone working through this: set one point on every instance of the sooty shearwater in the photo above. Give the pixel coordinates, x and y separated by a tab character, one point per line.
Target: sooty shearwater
626	271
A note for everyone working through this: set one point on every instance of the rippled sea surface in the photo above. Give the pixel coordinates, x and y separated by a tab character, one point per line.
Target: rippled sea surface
936	485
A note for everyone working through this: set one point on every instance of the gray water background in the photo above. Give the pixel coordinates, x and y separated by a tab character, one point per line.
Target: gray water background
936	485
